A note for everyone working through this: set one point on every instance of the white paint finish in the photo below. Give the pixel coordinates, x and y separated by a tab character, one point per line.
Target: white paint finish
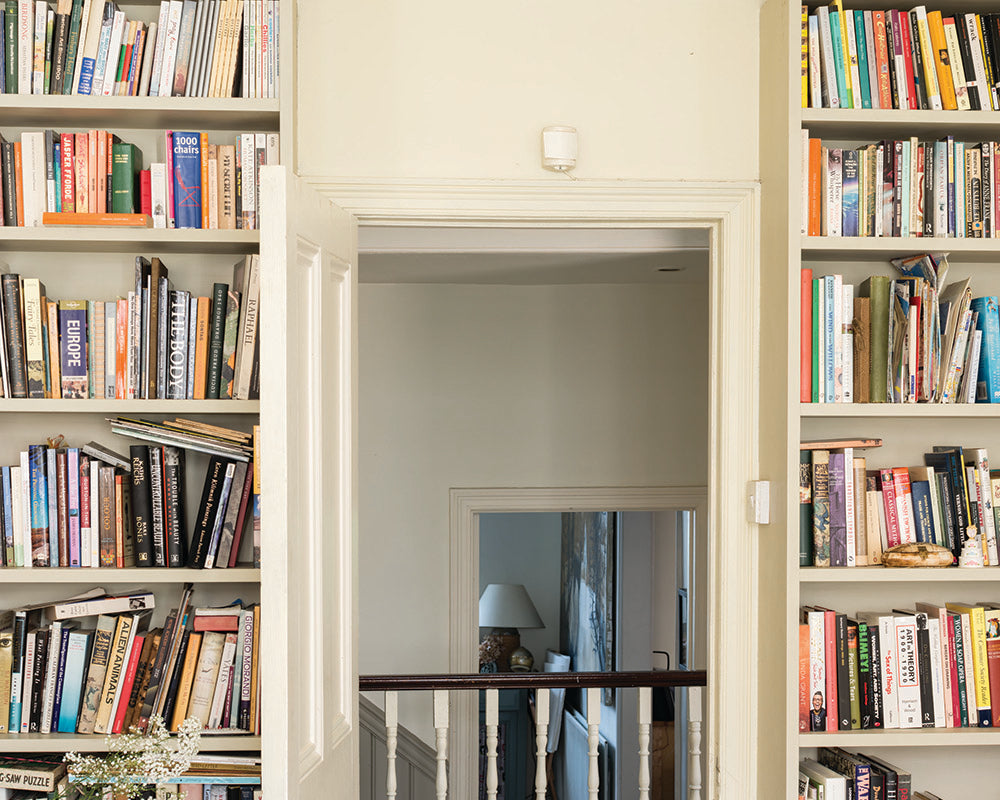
593	738
309	458
525	549
441	742
694	742
492	721
541	738
444	88
645	720
391	739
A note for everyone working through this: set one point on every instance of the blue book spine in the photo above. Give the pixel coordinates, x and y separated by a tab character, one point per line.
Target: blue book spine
8	518
920	493
73	348
73	473
76	659
850	193
830	367
60	677
39	506
50	468
838	511
187	179
988	321
86	75
859	27
838	62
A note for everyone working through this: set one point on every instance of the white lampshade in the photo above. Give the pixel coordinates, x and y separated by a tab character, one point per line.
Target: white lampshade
507	605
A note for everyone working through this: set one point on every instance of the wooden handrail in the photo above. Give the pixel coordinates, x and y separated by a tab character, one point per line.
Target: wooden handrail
532	680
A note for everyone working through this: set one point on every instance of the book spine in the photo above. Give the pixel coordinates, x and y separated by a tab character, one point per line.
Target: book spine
142	523
178	347
174	507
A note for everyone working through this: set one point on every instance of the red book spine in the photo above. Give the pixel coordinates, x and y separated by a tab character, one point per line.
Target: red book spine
104	158
80	173
62	507
121	349
228	624
805	337
815	205
889	499
905	31
66	171
242	516
126	689
947	627
804	678
830	656
145	193
19	184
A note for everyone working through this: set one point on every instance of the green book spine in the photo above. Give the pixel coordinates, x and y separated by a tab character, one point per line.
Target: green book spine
877	288
839	56
229	341
49	27
815	340
126	163
216	335
805	509
10	45
72	43
859	26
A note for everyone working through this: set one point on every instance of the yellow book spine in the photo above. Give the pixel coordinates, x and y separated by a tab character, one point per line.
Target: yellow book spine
930	70
839	5
186	681
980	664
939	45
805	56
988	92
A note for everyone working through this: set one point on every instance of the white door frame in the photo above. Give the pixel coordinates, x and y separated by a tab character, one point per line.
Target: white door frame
729	211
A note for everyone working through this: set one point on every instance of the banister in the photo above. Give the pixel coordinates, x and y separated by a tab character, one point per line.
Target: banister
532	680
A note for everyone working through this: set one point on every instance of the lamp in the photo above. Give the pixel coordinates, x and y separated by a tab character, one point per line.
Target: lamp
505	607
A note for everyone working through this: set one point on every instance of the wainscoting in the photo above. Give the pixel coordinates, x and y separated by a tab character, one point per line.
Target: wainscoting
415	763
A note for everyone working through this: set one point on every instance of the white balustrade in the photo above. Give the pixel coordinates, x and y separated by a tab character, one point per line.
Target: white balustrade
694	743
391	737
645	728
441	742
593	737
492	723
541	741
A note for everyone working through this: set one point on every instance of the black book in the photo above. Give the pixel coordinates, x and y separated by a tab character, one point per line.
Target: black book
38	678
173	506
893	78
17	664
156	492
917	58
946	492
864	675
175	678
878	780
899	778
924	668
991	30
877	719
246	793
954	463
217	333
843	675
928	198
9	183
142	506
156	672
211	496
976	95
897	188
60	36
233	793
988	64
14	333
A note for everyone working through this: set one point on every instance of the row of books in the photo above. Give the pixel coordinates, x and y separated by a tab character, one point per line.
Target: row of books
159	342
202	663
915	59
930	666
850	513
839	775
65	507
901	187
897	340
92	177
195	48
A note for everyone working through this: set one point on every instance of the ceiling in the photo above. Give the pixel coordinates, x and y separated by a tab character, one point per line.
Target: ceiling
540	256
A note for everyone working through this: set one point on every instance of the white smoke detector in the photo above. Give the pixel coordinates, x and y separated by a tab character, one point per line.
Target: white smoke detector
559	147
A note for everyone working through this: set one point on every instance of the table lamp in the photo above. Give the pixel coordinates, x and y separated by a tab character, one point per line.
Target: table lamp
506	607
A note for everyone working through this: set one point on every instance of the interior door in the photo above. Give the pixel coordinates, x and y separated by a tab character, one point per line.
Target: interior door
308	391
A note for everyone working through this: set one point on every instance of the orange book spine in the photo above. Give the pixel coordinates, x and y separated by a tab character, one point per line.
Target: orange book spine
121	348
119	523
80	157
55	373
803	678
102	172
815	181
941	62
186	681
114	220
19	184
204	181
805	337
201	348
882	60
92	170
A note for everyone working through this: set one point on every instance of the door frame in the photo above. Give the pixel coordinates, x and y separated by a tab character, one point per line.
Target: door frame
730	213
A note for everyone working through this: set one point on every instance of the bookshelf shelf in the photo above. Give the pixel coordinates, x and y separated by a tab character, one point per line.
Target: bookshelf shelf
203	113
868	248
128	240
900	410
171	407
61	742
897	575
854	123
916	737
138	575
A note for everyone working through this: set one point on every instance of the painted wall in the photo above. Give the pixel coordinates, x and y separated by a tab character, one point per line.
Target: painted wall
499	386
526	549
658	89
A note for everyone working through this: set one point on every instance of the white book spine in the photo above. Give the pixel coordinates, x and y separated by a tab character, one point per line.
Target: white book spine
909	674
978	66
114	54
838	339
937	676
110	347
158	193
146	75
161	31
166	87
972	374
222	681
890	671
273	149
90	43
847	342
940	189
78	62
29	676
835	189
986	496
38	49
110	605
103	54
25	44
248	173
26	510
94	556
849	511
827	63
959	159
33	177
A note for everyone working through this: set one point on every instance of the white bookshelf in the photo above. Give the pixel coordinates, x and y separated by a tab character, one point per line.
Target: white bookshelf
67	239
133	576
131	407
908	431
62	742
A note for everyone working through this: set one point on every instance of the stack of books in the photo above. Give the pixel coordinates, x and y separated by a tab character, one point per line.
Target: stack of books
935	665
195	48
90	507
898	340
93	178
156	343
838	775
65	678
915	59
850	513
901	187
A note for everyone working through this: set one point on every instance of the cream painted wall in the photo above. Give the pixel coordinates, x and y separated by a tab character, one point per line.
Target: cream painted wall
497	386
658	89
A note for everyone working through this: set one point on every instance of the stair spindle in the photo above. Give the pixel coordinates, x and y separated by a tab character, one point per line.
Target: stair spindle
593	736
645	726
391	737
492	725
541	741
441	742
694	743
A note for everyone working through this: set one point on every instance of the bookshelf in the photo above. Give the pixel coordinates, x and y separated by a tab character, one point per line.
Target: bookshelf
949	762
